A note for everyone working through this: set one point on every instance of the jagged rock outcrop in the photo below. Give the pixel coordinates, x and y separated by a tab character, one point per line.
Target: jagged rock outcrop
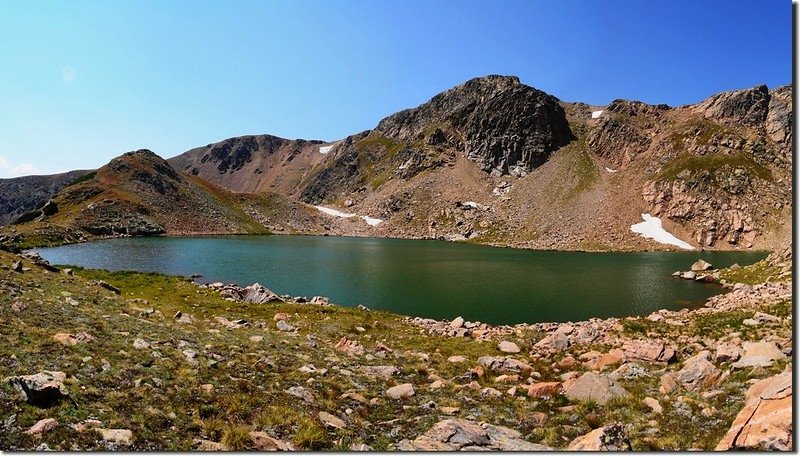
499	122
743	107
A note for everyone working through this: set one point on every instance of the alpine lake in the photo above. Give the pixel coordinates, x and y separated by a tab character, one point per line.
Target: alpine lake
431	279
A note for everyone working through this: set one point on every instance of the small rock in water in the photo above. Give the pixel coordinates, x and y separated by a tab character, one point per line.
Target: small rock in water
701	265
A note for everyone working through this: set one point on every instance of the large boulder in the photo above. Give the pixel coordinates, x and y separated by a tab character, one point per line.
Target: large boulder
555	342
464	435
401	391
43	389
698	372
765	422
595	387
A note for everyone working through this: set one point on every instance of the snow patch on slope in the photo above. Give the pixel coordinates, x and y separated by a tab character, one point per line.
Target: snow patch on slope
371	221
597	114
325	149
651	228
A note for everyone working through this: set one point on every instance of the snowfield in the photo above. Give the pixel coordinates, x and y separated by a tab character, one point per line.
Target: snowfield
325	149
651	228
371	221
597	114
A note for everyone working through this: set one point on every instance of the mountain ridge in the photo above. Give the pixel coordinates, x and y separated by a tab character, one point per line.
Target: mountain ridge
707	169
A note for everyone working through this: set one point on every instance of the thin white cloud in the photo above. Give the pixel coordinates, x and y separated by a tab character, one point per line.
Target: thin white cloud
22	169
68	75
25	169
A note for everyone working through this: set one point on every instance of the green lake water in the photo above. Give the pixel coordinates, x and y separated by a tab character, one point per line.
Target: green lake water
431	279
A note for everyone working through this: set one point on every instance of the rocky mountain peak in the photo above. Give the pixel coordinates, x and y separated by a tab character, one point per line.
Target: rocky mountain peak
498	122
139	165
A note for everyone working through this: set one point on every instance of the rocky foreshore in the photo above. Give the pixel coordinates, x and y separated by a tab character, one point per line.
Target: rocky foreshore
98	360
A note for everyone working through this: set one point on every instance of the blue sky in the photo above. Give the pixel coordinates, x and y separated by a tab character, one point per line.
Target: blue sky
82	82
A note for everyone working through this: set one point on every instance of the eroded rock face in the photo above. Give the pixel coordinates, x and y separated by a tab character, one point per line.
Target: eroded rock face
765	422
464	435
779	117
504	126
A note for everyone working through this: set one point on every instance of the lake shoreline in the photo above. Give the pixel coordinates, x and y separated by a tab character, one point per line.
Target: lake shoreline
13	240
408	276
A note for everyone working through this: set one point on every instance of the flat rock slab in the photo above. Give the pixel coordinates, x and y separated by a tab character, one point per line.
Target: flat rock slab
595	387
464	435
503	364
765	422
761	354
384	372
332	420
264	442
42	426
119	436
